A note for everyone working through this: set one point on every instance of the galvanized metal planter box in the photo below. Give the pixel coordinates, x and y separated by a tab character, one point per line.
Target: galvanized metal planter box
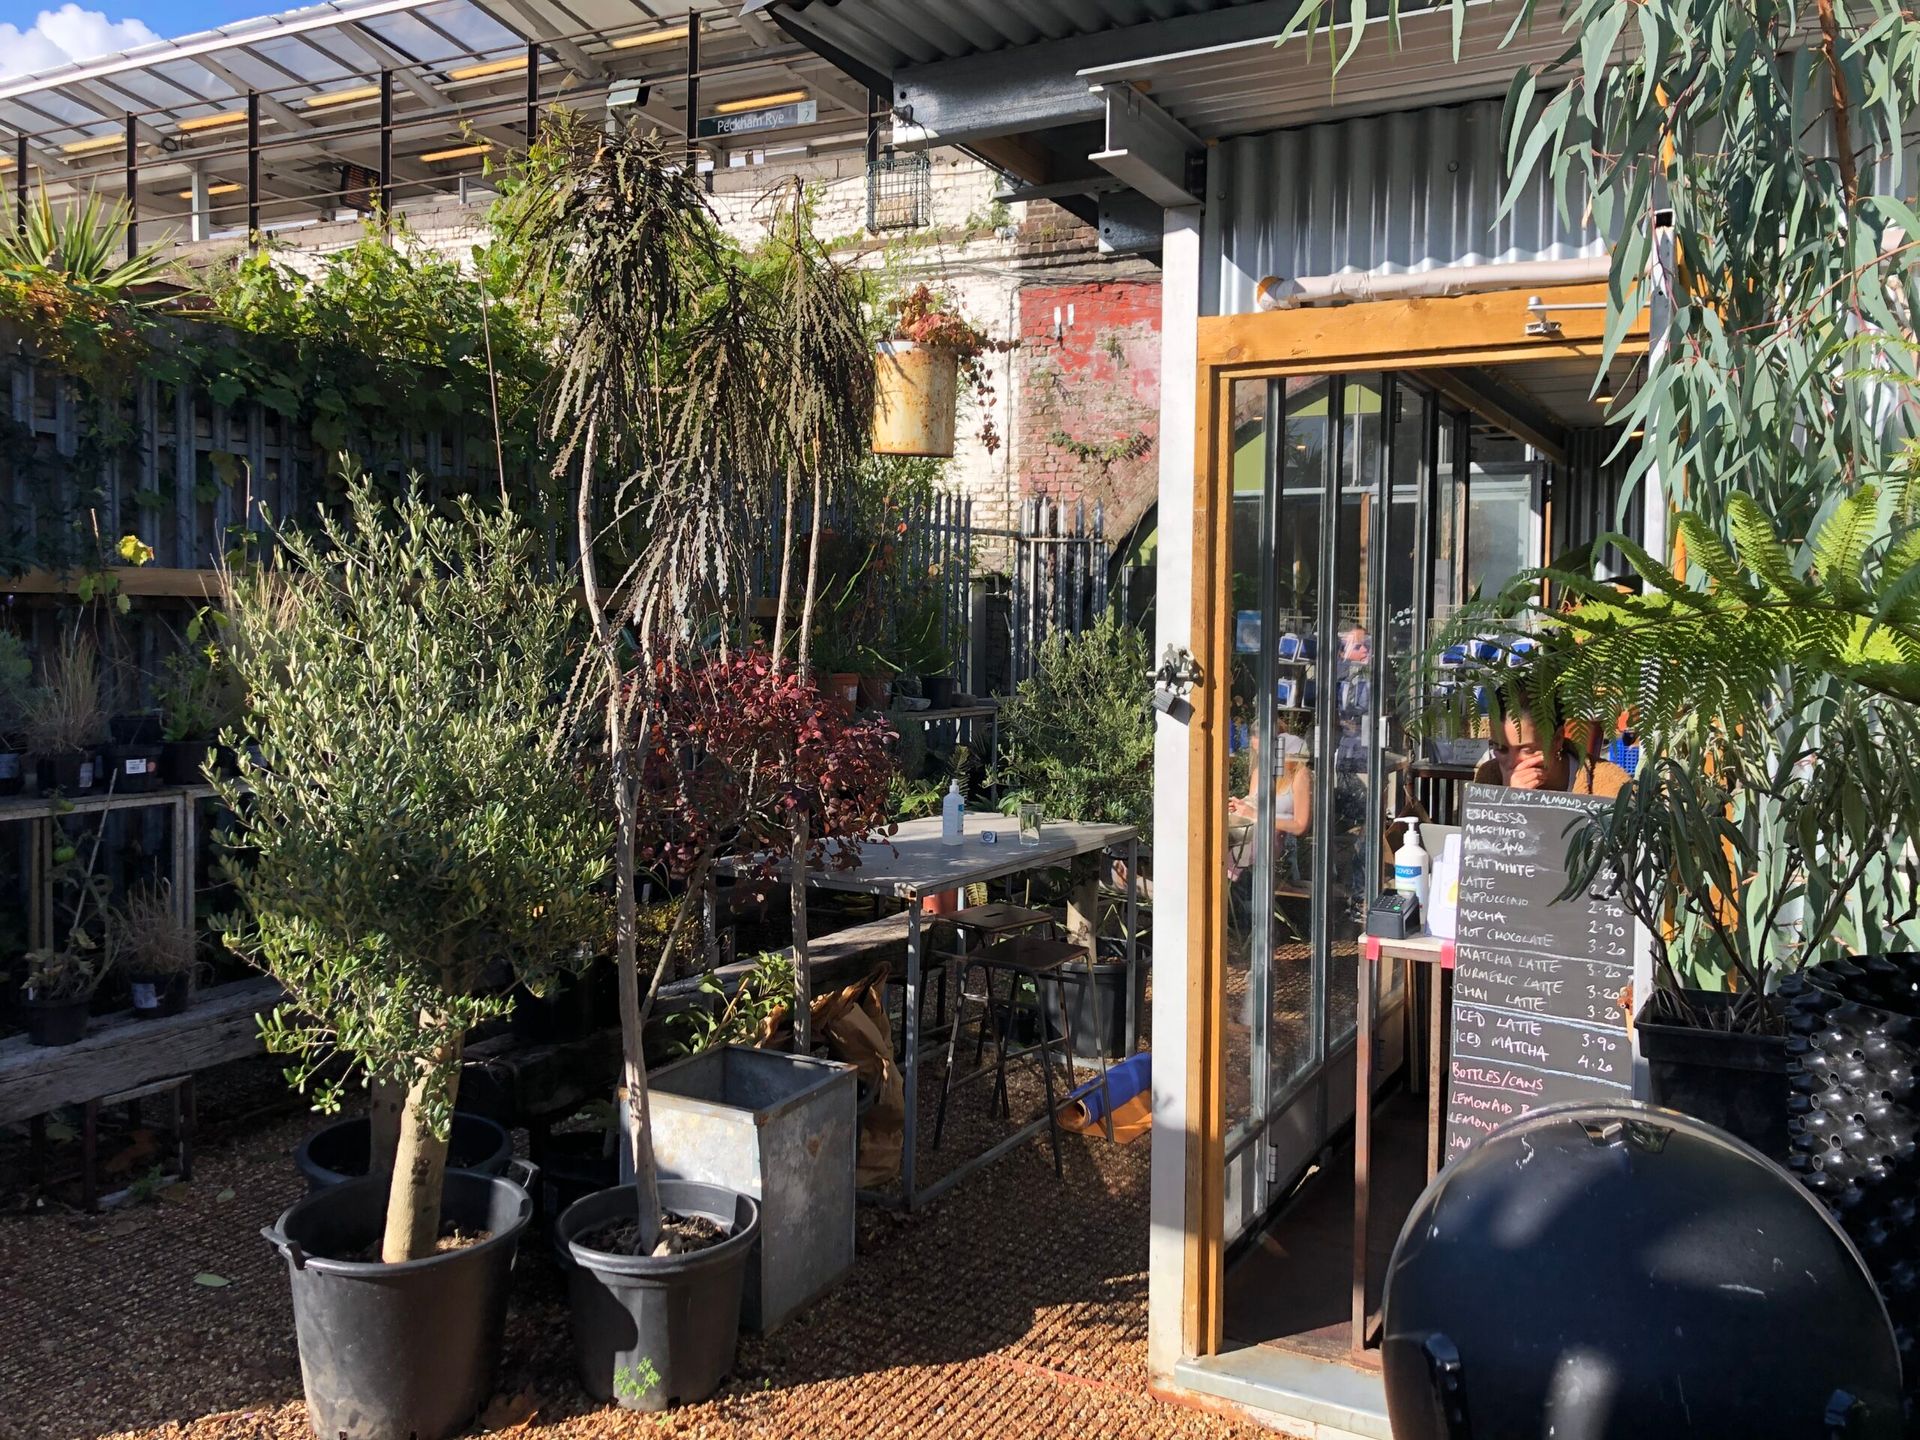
781	1128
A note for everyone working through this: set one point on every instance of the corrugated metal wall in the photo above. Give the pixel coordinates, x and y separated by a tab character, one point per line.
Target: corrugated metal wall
1414	190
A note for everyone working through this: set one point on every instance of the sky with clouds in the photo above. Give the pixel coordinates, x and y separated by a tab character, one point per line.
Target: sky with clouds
31	42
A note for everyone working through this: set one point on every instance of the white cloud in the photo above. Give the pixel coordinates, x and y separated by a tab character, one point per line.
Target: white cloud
69	33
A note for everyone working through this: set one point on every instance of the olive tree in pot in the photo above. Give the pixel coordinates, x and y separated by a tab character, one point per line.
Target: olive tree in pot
404	824
688	380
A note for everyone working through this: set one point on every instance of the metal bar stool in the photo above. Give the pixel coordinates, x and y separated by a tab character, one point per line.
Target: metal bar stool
983	924
1021	957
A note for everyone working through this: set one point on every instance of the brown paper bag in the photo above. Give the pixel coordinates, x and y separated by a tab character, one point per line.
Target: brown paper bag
853	1025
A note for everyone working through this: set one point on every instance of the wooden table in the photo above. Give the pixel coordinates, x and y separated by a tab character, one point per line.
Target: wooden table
1419	950
917	864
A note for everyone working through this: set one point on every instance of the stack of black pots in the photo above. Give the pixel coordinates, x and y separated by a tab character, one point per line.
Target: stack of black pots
1852	1055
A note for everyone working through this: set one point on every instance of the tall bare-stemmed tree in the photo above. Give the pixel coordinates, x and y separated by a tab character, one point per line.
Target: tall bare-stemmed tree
823	393
687	380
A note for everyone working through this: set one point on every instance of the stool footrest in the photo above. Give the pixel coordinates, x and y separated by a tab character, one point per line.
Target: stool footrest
998	918
1029	954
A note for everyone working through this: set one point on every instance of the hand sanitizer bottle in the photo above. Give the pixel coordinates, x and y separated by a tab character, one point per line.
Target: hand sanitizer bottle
953	816
1411	864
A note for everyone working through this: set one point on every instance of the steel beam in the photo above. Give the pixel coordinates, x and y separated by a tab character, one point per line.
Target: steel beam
1102	184
107	110
530	27
404	68
1039	87
1147	148
1130	224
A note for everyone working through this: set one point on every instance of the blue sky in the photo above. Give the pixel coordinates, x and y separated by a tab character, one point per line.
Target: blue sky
36	35
171	18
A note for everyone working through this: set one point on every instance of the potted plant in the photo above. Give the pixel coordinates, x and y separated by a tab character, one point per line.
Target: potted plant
64	723
931	352
779	1127
133	754
768	371
1768	825
155	950
60	986
199	697
451	839
16	690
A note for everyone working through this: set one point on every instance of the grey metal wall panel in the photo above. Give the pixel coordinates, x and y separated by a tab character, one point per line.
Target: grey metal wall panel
1388	194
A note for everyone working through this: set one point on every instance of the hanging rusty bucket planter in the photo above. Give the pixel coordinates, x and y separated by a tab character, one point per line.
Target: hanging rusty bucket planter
915	399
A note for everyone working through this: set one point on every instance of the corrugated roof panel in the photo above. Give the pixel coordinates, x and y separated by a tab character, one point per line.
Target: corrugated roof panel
1258	85
886	34
1387	194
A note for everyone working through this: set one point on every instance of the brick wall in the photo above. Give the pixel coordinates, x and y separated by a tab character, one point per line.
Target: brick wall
1089	394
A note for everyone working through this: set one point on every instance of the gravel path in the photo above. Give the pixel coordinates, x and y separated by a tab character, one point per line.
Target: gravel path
1016	1307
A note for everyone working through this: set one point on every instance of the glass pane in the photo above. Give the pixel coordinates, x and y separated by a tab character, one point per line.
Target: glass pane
1355	818
1450	518
1500	520
1403	546
1246	848
1290	739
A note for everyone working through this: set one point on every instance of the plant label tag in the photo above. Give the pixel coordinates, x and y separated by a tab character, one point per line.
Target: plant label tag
136	765
9	766
145	997
86	774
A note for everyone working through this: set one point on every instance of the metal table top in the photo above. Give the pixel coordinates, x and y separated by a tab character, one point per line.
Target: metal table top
917	863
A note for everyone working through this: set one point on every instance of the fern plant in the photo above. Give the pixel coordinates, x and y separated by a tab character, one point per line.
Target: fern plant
1770	818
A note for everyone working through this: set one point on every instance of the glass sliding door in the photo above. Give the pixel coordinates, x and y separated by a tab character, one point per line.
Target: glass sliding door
1329	543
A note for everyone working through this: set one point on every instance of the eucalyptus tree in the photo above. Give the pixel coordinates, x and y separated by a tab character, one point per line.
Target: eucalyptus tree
1782	360
1743	159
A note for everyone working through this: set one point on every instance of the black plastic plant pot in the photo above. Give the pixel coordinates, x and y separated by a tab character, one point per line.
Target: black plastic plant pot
573	1165
407	1351
654	1332
938	690
1110	982
71	772
135	768
1732	1080
157	996
341	1152
57	1022
183	762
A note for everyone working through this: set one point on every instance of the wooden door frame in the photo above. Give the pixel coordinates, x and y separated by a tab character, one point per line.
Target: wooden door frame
1488	328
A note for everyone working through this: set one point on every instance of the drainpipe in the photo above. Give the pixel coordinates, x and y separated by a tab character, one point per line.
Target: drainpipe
1274	293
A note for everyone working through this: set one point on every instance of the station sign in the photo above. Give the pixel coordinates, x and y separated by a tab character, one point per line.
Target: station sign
755	122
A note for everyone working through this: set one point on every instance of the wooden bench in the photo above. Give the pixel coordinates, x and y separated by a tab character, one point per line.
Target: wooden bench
124	1061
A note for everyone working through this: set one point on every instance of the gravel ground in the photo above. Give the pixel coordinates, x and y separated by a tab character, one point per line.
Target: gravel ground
1014	1307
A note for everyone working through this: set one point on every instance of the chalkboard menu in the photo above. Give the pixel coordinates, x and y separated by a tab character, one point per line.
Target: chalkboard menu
1536	980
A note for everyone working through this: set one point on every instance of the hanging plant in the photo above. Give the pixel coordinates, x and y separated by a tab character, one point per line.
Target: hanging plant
931	351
